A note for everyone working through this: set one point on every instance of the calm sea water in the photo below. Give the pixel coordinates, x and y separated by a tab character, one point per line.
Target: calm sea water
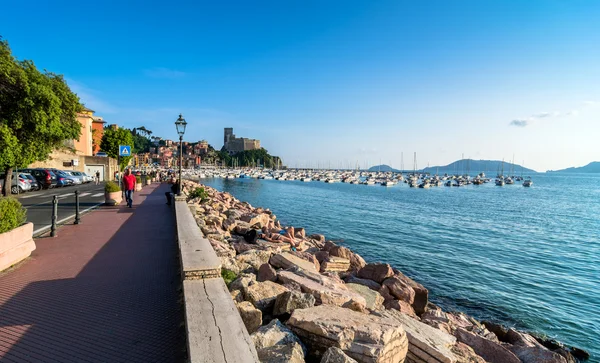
525	257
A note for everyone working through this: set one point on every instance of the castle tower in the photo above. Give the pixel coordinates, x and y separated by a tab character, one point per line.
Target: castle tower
228	135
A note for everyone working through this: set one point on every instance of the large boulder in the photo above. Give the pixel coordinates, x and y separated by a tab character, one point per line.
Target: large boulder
287	260
355	260
352	279
426	344
399	289
263	294
308	257
233	213
336	355
222	248
373	298
266	273
490	351
401	306
242	227
229	263
421	293
335	264
254	258
376	272
256	220
529	350
289	353
324	289
365	338
317	237
242	282
251	316
273	334
289	301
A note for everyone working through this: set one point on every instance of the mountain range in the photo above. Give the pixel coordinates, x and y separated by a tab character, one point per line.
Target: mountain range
478	166
464	165
593	167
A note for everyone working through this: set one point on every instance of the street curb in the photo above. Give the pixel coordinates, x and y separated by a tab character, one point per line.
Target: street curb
40	231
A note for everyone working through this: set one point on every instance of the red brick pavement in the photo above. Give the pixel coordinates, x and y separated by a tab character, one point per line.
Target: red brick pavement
106	290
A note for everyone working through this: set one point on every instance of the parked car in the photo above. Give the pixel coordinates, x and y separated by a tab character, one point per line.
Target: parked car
18	184
45	178
34	183
84	177
62	178
77	179
102	154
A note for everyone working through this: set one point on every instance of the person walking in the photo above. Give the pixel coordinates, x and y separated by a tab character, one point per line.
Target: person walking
97	177
174	189
128	187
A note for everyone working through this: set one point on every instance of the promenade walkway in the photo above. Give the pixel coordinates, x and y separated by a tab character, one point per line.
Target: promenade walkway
107	290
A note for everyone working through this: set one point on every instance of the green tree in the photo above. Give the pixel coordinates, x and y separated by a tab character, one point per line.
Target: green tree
141	144
38	113
112	139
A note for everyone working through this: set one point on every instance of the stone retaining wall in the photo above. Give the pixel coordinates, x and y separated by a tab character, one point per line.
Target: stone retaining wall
215	331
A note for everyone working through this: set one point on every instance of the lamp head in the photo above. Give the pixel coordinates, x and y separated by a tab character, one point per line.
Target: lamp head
180	124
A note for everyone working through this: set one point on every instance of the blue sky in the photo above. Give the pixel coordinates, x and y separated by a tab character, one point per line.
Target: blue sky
337	82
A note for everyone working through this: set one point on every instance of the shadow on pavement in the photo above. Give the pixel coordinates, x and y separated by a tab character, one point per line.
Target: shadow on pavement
123	305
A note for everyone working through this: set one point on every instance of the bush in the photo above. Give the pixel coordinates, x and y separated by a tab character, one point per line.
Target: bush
199	192
138	179
228	276
111	187
12	214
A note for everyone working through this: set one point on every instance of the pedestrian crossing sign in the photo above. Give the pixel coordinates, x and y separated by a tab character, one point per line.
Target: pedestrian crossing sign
124	150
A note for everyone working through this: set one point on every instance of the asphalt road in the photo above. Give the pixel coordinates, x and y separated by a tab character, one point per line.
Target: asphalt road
39	204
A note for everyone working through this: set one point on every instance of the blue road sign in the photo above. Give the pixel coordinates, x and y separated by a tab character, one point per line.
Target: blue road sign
124	150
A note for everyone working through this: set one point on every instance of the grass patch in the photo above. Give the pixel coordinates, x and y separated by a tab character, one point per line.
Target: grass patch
228	276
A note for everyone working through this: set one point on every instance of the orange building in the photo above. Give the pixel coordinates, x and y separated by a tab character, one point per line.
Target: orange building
89	140
97	133
83	146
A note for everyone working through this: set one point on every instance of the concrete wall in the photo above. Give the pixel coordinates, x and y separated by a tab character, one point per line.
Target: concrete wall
215	330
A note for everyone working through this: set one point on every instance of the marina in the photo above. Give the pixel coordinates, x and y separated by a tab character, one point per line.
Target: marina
362	177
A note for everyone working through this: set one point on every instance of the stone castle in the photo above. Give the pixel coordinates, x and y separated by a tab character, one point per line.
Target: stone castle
237	144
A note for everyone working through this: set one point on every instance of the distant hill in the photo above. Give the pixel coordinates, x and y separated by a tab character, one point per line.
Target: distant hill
478	166
593	167
383	168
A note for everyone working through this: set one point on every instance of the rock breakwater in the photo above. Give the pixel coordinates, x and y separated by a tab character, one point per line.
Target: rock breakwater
321	300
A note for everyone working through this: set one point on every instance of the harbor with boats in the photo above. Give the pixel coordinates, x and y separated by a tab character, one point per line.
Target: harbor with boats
412	179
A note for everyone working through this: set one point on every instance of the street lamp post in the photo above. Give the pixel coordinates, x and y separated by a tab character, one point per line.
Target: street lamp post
180	124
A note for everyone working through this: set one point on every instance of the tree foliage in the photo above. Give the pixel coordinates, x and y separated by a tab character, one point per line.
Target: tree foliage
141	144
257	157
112	139
38	113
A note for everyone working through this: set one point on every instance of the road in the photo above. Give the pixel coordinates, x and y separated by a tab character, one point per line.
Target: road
39	204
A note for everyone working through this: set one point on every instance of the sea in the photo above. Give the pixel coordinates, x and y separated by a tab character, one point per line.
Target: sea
524	257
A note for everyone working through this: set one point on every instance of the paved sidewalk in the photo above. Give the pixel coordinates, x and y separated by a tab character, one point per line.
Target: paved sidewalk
102	291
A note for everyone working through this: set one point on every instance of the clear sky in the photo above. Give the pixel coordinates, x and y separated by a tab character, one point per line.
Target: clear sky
335	82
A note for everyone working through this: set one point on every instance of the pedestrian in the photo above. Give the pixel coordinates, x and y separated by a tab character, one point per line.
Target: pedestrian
97	177
174	189
128	186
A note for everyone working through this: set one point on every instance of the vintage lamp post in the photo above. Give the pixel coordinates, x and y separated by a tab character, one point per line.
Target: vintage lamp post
180	124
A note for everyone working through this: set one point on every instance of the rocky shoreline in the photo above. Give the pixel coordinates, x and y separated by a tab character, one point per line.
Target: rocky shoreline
324	303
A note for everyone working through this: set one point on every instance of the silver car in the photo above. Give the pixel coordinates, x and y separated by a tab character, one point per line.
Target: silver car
84	177
77	179
18	184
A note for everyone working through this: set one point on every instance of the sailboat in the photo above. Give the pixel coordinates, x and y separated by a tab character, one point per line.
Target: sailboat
500	179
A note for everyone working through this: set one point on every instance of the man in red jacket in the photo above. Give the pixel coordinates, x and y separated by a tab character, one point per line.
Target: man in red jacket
128	186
